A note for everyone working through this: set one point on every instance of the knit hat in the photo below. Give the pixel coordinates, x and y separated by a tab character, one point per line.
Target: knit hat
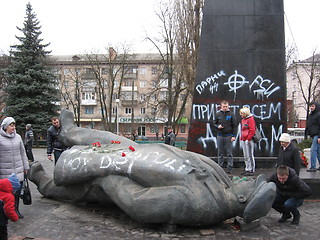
28	126
6	122
285	137
14	182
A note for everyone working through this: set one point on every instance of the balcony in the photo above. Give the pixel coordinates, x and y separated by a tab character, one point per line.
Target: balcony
129	88
88	102
130	76
129	103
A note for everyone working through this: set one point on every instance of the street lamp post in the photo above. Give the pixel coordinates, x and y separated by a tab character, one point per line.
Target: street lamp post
117	115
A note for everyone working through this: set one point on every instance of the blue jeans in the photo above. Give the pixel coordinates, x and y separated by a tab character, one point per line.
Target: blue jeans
225	146
315	152
286	205
56	154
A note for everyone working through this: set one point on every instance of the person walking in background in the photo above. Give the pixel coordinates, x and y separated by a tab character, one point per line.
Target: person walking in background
170	139
225	123
289	154
313	130
248	129
291	191
28	142
53	144
13	158
8	187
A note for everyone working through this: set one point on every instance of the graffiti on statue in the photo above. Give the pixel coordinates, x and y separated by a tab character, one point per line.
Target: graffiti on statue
152	183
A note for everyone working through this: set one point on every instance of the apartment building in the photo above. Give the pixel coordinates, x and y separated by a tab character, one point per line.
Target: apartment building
94	81
303	80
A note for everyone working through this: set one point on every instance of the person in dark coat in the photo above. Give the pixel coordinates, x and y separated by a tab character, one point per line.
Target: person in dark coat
170	138
28	142
54	145
225	123
313	130
289	154
291	191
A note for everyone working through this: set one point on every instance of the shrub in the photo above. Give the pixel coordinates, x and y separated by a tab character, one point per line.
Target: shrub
304	144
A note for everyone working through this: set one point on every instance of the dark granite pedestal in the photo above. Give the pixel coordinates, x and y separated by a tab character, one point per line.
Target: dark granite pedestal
313	180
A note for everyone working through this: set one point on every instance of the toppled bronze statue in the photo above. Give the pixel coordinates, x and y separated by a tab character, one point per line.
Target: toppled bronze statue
152	183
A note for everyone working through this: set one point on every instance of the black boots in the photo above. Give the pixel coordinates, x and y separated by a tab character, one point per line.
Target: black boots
284	217
296	219
16	204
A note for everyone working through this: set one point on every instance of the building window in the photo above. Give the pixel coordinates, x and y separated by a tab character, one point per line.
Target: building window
88	96
142	71
104	71
127	83
163	95
128	110
154	70
153	97
164	82
143	84
154	128
127	96
66	71
66	84
154	84
143	110
114	110
183	128
153	111
142	97
127	128
89	110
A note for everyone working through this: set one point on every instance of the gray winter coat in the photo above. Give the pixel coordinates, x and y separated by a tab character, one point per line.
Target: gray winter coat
13	157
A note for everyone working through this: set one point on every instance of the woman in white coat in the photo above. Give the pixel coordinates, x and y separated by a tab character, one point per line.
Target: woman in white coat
13	157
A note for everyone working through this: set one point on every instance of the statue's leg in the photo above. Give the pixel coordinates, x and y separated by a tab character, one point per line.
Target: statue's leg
167	204
261	199
45	183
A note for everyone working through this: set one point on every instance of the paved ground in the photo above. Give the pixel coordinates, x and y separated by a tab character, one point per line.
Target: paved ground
48	219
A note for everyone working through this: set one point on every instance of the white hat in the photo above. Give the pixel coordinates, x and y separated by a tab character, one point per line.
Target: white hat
6	122
285	137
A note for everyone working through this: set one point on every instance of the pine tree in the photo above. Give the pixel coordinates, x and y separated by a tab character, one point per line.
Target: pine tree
31	91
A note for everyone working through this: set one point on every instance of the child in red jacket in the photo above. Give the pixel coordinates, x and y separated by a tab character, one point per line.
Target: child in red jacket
7	210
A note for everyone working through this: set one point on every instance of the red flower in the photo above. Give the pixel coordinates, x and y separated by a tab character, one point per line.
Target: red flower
131	148
304	159
115	142
96	144
123	154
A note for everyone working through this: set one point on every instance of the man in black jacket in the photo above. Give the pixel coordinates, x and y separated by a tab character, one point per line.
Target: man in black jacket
225	123
170	138
28	142
291	191
313	130
53	144
289	154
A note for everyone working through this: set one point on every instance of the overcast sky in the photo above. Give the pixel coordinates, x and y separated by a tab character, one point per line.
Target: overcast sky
78	26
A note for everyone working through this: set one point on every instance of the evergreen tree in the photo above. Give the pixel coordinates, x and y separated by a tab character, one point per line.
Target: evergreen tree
31	91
